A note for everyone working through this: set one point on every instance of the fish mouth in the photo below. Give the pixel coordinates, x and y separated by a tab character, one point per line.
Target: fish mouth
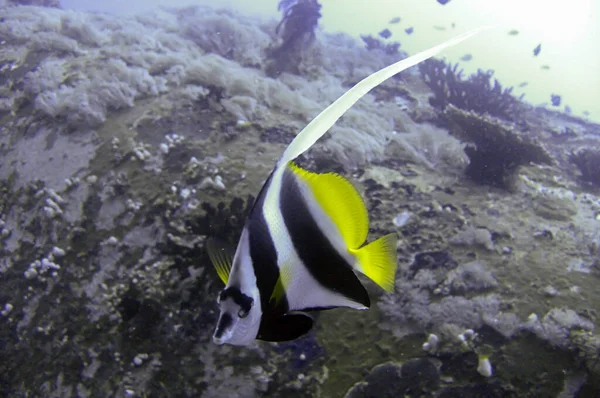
218	340
224	331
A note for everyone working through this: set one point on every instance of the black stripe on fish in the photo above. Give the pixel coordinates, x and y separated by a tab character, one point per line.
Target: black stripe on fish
263	253
315	250
245	302
225	322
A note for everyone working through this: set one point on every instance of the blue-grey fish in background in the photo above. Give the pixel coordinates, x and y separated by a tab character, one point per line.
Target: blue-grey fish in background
545	67
537	49
523	84
386	33
466	57
443	2
304	240
409	31
513	32
394	20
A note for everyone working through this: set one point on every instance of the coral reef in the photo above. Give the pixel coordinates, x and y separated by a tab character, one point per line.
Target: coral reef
297	31
126	142
476	93
588	162
41	3
374	43
495	151
415	377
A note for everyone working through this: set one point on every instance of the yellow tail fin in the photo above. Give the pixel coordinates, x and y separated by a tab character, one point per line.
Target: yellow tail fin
378	261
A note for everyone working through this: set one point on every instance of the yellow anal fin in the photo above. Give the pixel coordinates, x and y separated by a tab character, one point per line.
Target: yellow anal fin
341	201
221	256
378	261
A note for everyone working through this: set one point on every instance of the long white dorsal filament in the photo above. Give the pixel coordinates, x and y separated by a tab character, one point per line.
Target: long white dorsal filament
327	118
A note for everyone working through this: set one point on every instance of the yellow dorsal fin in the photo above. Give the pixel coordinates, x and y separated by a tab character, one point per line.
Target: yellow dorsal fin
341	201
221	256
378	261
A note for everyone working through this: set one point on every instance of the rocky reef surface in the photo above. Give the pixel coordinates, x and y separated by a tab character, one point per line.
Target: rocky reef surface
127	141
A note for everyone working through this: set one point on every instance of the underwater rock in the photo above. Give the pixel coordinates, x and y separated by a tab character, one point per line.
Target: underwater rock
488	390
472	236
39	3
554	208
278	134
459	365
432	261
224	222
558	324
415	377
374	43
495	151
470	277
303	353
588	350
297	32
588	162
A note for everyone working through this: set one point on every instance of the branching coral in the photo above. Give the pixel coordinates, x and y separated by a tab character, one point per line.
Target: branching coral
297	31
495	152
588	163
477	93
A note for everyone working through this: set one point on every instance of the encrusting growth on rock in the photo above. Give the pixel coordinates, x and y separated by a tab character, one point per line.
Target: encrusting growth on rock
588	163
495	151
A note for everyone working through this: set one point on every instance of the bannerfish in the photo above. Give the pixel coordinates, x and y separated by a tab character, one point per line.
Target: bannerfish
304	240
537	49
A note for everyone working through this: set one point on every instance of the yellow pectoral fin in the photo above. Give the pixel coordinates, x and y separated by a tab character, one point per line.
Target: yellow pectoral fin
221	257
278	292
378	261
283	282
341	201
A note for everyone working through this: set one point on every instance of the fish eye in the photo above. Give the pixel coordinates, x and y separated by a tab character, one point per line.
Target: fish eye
222	296
245	310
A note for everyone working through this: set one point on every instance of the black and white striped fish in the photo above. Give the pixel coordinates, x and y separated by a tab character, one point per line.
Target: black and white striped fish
304	239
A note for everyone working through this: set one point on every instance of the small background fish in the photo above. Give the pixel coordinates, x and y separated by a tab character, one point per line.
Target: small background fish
386	33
